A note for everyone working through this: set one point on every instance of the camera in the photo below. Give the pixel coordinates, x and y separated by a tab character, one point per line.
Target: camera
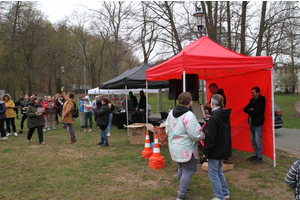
202	159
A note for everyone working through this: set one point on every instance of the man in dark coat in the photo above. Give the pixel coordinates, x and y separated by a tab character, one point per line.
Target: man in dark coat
142	102
215	90
256	111
133	99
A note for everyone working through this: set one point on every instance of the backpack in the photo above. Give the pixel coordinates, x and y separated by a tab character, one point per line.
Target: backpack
75	113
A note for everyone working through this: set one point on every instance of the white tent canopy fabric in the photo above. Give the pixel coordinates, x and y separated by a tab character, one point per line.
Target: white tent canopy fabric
96	91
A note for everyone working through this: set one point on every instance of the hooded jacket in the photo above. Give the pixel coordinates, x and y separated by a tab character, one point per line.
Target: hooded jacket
87	104
10	109
218	136
67	110
183	132
2	110
292	178
34	120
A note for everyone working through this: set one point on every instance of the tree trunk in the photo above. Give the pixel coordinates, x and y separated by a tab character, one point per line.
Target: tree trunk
11	60
228	26
261	28
243	28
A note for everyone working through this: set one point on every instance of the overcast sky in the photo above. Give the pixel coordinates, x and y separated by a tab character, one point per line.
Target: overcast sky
57	10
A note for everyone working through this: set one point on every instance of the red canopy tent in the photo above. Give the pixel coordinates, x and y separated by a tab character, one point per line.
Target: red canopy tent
233	72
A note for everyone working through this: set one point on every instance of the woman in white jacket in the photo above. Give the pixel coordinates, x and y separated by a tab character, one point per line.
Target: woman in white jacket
183	132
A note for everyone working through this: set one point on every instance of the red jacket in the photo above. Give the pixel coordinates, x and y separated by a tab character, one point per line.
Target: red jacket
46	106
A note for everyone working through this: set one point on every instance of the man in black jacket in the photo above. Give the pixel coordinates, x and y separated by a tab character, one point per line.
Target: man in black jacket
214	89
256	111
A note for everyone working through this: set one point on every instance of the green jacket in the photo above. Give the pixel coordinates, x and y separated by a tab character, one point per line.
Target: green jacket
32	119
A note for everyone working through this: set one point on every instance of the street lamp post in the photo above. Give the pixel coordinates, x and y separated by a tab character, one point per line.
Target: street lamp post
200	20
62	73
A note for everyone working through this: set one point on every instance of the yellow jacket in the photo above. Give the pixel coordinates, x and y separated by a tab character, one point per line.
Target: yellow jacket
10	109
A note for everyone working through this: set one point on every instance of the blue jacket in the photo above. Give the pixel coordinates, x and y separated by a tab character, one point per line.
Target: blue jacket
2	110
81	108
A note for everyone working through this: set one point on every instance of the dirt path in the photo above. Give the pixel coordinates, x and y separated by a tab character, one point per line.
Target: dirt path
297	106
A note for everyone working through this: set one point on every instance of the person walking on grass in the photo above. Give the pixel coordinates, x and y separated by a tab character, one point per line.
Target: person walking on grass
2	119
102	120
184	132
10	115
218	145
23	107
35	119
67	113
50	108
87	113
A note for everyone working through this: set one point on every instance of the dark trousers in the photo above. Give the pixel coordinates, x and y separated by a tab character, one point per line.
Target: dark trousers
40	133
12	122
2	130
24	117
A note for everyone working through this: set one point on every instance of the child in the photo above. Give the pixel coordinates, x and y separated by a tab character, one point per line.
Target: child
292	178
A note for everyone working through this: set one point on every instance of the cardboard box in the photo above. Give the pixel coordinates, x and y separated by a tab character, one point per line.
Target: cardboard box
137	132
226	166
161	134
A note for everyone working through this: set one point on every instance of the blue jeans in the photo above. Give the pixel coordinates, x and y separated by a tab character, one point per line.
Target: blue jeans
217	178
110	119
256	140
103	136
185	173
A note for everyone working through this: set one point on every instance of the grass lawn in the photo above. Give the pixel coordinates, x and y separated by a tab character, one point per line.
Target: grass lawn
84	170
287	104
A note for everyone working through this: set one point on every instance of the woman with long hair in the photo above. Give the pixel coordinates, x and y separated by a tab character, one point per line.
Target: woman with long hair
23	107
10	115
67	113
35	119
218	145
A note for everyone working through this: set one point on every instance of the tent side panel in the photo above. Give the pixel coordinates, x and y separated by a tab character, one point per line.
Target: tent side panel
237	90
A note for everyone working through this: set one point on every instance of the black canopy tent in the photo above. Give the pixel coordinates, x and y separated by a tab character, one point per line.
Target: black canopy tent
131	79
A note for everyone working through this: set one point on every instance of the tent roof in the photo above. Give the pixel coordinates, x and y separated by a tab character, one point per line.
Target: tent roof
133	78
209	60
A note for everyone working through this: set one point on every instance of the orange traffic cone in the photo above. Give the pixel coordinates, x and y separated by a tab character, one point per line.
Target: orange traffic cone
147	153
156	161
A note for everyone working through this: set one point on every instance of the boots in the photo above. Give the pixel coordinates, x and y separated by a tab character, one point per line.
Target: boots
72	141
105	145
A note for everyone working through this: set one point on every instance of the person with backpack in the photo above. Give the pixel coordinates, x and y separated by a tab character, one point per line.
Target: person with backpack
67	113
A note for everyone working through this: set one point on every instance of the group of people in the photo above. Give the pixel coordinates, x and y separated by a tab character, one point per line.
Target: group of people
184	133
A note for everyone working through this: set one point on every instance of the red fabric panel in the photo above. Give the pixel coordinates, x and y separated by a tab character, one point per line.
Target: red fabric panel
237	90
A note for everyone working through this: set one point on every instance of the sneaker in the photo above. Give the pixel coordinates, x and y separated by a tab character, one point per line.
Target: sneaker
42	143
90	130
28	141
215	198
182	197
108	134
54	128
20	132
226	197
82	126
8	134
85	130
257	160
48	129
251	158
44	129
100	143
4	138
16	134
